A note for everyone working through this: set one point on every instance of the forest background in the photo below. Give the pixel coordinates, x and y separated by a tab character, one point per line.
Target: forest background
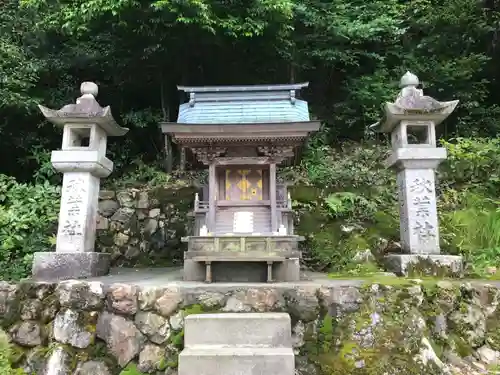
352	52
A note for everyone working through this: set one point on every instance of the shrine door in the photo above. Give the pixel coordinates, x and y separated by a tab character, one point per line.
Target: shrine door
243	185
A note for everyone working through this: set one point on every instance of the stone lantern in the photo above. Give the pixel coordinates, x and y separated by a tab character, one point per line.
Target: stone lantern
411	120
83	162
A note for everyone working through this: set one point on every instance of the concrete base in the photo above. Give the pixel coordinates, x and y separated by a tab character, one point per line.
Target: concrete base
425	265
289	270
236	361
64	266
250	272
242	344
270	330
193	271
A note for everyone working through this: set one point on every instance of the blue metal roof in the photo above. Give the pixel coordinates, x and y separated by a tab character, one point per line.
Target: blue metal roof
243	104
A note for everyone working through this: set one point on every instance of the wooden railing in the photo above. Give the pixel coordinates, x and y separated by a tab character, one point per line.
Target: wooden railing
282	205
202	206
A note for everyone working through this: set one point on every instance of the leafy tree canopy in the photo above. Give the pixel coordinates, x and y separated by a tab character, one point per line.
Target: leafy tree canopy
352	53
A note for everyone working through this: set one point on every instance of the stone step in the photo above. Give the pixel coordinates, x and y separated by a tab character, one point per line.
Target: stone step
214	360
238	329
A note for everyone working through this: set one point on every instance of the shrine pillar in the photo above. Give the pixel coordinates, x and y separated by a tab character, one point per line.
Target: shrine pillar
83	162
411	121
212	193
272	196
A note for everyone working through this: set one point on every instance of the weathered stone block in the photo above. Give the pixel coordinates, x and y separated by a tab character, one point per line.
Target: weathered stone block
339	301
168	303
75	328
102	223
425	264
230	245
151	358
302	303
108	207
241	361
28	333
154	326
287	271
272	330
31	309
193	271
123	339
246	344
82	295
59	362
106	195
122	298
63	266
127	198
92	368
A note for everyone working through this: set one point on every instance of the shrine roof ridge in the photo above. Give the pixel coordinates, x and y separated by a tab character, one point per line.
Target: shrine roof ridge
242	88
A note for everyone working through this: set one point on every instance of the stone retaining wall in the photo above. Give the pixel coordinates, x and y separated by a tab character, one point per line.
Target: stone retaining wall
144	227
87	328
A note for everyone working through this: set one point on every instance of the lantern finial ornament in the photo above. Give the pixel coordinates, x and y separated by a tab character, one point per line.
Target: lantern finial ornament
409	79
89	88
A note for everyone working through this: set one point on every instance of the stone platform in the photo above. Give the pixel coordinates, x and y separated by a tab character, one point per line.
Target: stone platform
244	258
166	277
173	277
137	317
243	344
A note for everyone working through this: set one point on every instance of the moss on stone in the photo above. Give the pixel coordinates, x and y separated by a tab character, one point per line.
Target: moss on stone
426	267
17	353
181	194
162	365
306	194
131	369
493	330
195	309
385	334
178	338
459	345
99	352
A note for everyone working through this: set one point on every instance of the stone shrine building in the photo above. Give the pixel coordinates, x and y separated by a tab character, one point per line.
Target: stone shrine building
243	227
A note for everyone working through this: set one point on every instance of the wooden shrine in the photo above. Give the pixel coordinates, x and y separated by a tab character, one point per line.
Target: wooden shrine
243	227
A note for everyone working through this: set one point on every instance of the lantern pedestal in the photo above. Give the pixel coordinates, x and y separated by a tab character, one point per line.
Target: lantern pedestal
61	266
425	264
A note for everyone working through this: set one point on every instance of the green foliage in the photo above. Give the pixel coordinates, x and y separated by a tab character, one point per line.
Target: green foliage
473	229
352	204
6	356
381	336
349	207
208	15
19	67
45	171
349	166
346	204
353	53
473	162
141	174
28	215
131	369
470	220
